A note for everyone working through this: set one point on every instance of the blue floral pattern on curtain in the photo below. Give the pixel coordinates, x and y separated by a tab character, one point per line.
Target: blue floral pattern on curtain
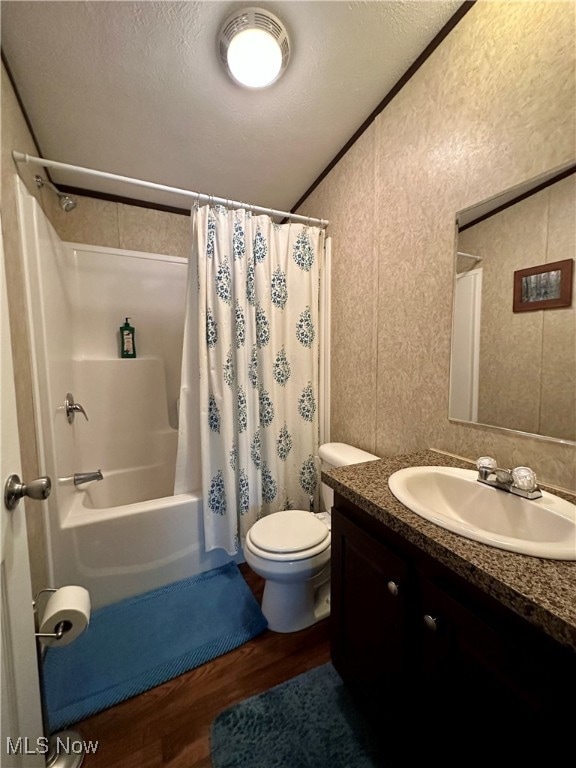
257	306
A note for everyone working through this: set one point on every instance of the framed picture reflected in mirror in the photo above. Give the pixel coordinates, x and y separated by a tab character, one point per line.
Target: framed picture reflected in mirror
548	286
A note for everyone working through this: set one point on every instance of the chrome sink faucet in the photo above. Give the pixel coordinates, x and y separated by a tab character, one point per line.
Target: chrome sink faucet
521	481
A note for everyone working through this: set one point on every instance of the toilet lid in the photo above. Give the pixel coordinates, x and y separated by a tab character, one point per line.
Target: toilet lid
290	531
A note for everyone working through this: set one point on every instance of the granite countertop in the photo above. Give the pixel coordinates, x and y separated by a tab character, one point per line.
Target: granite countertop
539	590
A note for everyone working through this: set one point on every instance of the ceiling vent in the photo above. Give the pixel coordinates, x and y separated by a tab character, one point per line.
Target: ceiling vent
254	47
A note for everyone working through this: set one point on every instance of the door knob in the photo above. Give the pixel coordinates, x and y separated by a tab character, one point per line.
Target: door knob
14	490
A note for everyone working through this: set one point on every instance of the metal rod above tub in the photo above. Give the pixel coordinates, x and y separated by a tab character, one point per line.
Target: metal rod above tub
22	157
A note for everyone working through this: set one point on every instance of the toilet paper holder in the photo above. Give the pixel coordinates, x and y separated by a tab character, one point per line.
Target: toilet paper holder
54	758
61	628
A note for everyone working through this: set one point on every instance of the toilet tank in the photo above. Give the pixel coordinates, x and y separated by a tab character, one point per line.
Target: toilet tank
339	455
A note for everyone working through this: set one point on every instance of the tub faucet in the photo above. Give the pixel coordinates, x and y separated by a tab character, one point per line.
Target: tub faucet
520	481
87	477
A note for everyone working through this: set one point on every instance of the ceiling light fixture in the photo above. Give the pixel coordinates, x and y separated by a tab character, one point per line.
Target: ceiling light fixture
254	47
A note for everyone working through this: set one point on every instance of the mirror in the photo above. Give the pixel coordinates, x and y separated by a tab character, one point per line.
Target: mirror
516	369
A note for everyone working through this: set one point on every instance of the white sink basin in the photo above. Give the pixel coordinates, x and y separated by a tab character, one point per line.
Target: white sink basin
455	500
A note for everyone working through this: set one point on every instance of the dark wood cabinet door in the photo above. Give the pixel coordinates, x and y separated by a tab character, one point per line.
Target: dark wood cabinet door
460	656
368	614
477	669
472	663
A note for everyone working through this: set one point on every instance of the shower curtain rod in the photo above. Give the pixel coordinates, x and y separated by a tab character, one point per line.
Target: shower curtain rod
22	157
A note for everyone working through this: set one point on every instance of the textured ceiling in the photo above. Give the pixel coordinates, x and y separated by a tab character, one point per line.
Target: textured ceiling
136	88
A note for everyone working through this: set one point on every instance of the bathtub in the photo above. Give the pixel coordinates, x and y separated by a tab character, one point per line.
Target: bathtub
127	533
124	550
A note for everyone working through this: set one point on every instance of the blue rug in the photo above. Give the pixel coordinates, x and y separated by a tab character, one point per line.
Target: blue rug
310	721
139	643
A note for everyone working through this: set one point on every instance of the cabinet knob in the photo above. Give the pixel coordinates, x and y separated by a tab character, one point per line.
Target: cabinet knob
430	622
393	588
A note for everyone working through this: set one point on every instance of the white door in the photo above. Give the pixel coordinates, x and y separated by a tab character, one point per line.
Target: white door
465	363
22	743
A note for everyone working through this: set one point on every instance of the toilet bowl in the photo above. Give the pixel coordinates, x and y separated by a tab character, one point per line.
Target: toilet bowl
291	551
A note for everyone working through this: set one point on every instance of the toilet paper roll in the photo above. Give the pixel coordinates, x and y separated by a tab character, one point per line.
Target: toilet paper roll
70	605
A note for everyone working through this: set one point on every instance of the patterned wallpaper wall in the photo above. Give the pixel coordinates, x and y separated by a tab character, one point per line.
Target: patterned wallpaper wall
492	107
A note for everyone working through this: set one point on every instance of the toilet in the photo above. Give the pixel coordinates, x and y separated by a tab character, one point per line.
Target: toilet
290	550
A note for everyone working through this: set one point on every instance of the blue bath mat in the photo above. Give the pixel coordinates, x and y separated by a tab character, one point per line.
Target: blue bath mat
139	643
310	721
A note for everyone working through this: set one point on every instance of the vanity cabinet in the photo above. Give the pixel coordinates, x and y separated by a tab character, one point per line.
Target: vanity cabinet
422	645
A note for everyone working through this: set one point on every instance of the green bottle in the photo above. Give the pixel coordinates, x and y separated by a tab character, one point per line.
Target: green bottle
127	340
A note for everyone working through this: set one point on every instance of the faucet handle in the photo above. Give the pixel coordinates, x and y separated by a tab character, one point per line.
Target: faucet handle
486	465
73	408
524	478
486	462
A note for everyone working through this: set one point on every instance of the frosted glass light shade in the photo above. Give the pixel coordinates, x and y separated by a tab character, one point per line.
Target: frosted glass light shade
254	58
253	47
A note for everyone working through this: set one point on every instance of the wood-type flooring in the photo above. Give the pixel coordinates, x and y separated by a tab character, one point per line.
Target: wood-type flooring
169	726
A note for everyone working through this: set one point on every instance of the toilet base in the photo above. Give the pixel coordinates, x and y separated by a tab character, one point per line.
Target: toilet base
290	607
322	609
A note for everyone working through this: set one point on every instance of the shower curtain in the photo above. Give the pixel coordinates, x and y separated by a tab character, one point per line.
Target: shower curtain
251	336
